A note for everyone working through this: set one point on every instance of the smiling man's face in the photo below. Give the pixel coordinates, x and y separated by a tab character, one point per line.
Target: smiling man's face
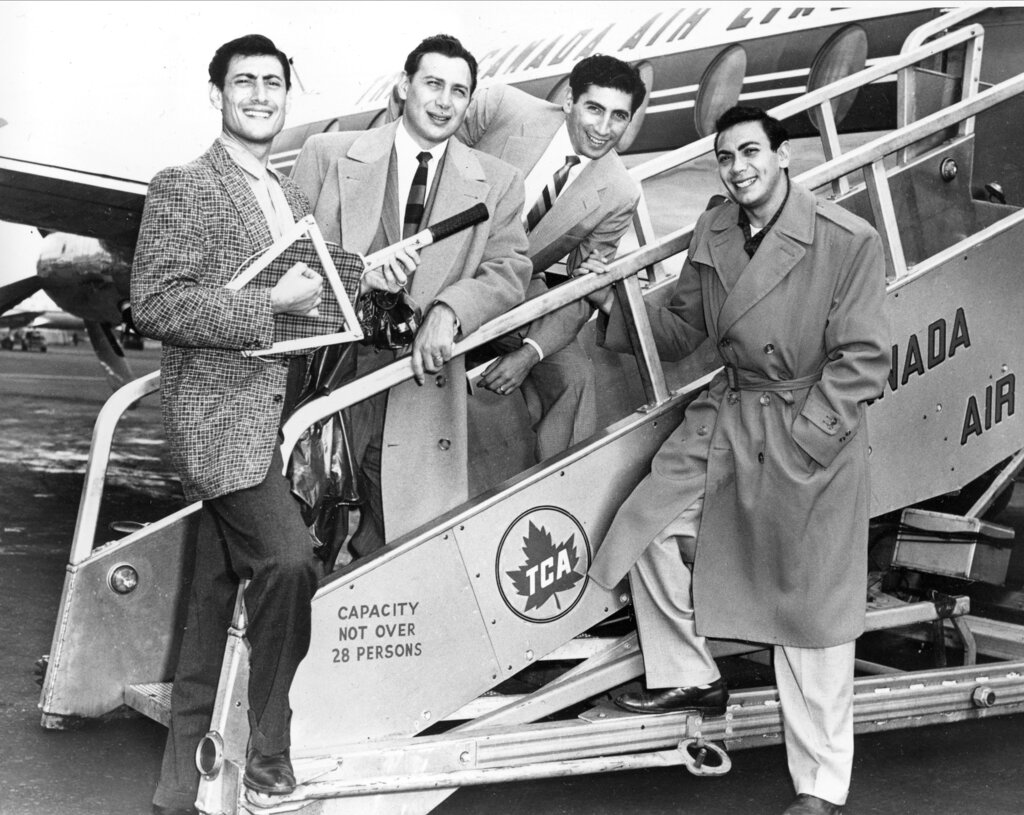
254	100
436	98
597	120
752	172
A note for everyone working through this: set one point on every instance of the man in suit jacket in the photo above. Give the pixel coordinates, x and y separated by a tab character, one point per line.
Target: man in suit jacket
411	443
592	211
770	462
222	411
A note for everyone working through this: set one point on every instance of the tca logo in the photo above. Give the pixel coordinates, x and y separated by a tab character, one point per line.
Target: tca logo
541	564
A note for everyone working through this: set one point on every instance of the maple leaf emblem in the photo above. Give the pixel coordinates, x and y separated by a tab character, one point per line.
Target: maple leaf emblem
548	570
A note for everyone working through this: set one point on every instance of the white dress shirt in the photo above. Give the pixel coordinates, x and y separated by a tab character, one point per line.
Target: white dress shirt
406	151
554	156
266	186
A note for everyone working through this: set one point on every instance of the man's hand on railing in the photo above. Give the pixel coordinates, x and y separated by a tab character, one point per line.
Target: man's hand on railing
507	372
602	298
434	342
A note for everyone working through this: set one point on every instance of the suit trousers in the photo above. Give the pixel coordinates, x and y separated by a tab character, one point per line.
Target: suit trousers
367	423
256	534
815	684
560	394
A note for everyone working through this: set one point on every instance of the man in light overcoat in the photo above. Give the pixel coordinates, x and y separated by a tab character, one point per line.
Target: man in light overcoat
585	222
411	444
764	485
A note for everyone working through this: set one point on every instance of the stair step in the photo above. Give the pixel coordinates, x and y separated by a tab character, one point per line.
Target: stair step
152	699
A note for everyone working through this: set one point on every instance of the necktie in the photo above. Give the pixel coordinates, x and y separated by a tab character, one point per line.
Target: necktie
417	198
550	193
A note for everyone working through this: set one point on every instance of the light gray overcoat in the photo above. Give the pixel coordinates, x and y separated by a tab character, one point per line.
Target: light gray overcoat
778	444
480	272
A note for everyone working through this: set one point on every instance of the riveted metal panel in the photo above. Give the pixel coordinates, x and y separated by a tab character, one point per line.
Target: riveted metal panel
396	646
951	409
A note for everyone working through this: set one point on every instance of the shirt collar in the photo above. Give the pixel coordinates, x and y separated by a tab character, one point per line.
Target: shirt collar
752	242
563	144
247	161
743	220
407	149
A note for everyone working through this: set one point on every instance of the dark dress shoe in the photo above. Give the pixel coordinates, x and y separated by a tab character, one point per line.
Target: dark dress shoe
271	775
160	810
710	700
812	805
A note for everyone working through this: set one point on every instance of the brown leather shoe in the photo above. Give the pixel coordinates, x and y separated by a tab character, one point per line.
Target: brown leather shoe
271	775
709	699
812	805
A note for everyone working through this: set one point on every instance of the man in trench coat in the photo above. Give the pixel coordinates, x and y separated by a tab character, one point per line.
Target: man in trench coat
411	443
764	485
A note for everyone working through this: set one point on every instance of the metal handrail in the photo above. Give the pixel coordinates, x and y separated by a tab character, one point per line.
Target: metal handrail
813	99
867	155
920	34
820	99
99	456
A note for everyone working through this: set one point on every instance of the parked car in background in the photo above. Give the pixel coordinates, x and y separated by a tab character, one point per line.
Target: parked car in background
25	339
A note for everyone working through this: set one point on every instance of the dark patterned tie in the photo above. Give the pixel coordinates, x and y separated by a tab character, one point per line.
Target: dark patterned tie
417	198
550	193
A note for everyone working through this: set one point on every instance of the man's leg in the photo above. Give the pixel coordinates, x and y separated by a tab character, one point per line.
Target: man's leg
208	616
367	434
560	397
270	545
674	655
816	692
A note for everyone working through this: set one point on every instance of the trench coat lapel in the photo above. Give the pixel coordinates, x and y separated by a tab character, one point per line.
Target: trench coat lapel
779	253
462	184
362	178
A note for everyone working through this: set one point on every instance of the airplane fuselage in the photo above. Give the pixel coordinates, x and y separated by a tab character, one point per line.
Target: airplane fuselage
779	45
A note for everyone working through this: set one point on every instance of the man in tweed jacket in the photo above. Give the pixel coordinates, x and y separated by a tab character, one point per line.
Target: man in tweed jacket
222	412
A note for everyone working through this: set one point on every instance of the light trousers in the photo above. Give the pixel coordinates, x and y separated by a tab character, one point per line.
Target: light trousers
815	684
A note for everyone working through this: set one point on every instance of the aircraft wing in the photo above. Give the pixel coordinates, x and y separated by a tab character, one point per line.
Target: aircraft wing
18	319
58	199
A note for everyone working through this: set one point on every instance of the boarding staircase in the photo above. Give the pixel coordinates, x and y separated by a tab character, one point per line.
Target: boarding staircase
403	696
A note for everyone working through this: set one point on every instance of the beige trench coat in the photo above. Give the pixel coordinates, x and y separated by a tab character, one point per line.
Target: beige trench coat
777	444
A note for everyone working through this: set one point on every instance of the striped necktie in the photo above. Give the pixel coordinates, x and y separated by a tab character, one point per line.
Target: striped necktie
417	198
550	192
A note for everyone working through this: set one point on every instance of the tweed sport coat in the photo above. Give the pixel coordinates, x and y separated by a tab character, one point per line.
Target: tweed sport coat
589	217
221	410
780	453
480	272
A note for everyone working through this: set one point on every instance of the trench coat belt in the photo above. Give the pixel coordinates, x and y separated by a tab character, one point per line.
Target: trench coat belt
741	380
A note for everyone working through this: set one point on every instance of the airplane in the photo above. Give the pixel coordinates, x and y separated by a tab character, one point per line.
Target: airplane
696	61
35	319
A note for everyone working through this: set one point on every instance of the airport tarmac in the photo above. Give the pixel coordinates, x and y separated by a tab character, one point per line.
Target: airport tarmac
109	767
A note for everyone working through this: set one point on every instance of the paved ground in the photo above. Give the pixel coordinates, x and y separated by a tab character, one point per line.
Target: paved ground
110	767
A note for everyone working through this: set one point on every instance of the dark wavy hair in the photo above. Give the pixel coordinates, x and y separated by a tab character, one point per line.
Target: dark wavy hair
607	72
446	45
738	114
251	45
